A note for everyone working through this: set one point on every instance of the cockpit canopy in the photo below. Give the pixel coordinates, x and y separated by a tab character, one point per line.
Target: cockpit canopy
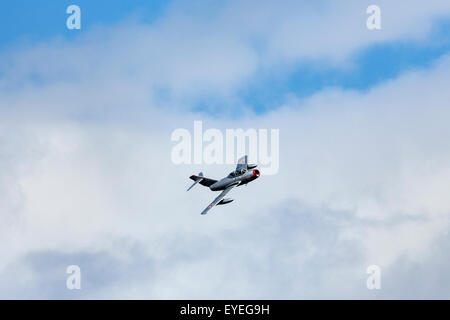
237	173
242	171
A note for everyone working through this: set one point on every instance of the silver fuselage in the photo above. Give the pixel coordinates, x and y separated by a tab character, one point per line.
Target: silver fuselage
245	178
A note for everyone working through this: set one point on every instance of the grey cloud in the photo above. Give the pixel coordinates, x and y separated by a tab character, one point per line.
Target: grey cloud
287	252
100	270
261	260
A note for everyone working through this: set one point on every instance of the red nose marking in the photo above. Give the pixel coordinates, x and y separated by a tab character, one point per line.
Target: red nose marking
256	173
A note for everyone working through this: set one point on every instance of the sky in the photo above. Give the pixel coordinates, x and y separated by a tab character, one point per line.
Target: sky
87	178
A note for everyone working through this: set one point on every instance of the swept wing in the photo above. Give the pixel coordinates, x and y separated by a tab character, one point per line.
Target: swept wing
220	197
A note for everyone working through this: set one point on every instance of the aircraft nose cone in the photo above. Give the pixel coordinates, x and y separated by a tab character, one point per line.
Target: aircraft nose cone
256	173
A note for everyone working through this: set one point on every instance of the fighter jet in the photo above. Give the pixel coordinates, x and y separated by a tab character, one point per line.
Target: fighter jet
241	176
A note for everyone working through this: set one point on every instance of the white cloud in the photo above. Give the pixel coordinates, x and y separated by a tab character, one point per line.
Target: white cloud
85	158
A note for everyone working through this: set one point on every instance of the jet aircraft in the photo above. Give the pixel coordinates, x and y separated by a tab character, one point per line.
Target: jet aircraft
241	176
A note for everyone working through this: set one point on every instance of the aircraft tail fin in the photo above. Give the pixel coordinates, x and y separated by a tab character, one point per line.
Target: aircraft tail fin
242	163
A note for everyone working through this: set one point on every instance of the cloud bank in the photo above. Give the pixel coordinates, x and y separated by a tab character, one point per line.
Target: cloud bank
86	174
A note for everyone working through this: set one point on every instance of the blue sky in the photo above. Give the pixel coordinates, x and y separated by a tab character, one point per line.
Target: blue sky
31	21
372	66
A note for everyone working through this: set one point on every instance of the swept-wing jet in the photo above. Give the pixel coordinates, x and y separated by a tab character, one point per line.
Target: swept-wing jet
241	176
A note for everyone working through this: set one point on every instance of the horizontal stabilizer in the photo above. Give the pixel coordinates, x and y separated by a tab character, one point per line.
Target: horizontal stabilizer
202	180
196	179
